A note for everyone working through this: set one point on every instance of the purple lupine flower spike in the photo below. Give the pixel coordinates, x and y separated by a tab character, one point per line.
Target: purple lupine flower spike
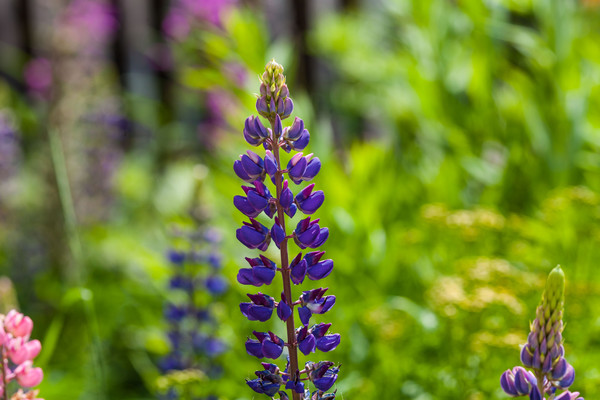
544	352
192	324
275	105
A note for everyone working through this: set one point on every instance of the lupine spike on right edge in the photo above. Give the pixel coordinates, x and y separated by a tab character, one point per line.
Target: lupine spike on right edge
275	105
544	351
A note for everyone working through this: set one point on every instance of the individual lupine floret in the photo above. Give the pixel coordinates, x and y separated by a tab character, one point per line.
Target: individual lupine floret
267	382
308	201
298	269
325	342
295	137
260	309
250	167
284	311
309	234
303	168
287	200
255	132
262	272
258	199
254	235
315	268
314	302
517	382
544	351
268	345
316	338
322	374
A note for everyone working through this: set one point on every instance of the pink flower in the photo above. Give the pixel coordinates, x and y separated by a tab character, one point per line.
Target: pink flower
20	350
27	376
18	324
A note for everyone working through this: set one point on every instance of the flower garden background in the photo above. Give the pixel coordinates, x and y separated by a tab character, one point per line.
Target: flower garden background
459	151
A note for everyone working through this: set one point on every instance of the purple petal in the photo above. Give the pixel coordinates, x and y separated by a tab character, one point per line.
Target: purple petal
246	277
535	394
323	236
560	369
312	169
291	211
568	378
304	314
286	198
261	105
298	272
312	203
240	172
521	383
329	342
254	348
250	238
283	311
270	164
288	107
297	170
296	129
320	270
242	204
271	350
309	236
325	383
507	383
302	141
307	345
257	201
526	357
263	275
278	128
252	169
260	128
278	234
259	313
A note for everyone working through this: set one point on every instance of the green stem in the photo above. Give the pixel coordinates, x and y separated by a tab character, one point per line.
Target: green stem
540	383
285	272
75	274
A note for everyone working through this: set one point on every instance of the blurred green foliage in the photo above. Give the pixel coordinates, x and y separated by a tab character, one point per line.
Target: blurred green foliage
468	166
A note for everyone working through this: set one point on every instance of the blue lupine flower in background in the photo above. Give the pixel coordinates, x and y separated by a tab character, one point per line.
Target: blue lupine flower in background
271	206
192	331
544	351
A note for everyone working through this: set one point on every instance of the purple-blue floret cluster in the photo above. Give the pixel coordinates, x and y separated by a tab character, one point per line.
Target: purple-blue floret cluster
267	210
192	326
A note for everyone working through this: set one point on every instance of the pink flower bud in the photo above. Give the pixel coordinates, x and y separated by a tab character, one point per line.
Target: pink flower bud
27	376
18	324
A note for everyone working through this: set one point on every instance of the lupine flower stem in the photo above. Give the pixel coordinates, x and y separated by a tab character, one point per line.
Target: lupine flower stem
285	270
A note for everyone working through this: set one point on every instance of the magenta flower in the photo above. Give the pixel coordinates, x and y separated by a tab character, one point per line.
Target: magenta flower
18	353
